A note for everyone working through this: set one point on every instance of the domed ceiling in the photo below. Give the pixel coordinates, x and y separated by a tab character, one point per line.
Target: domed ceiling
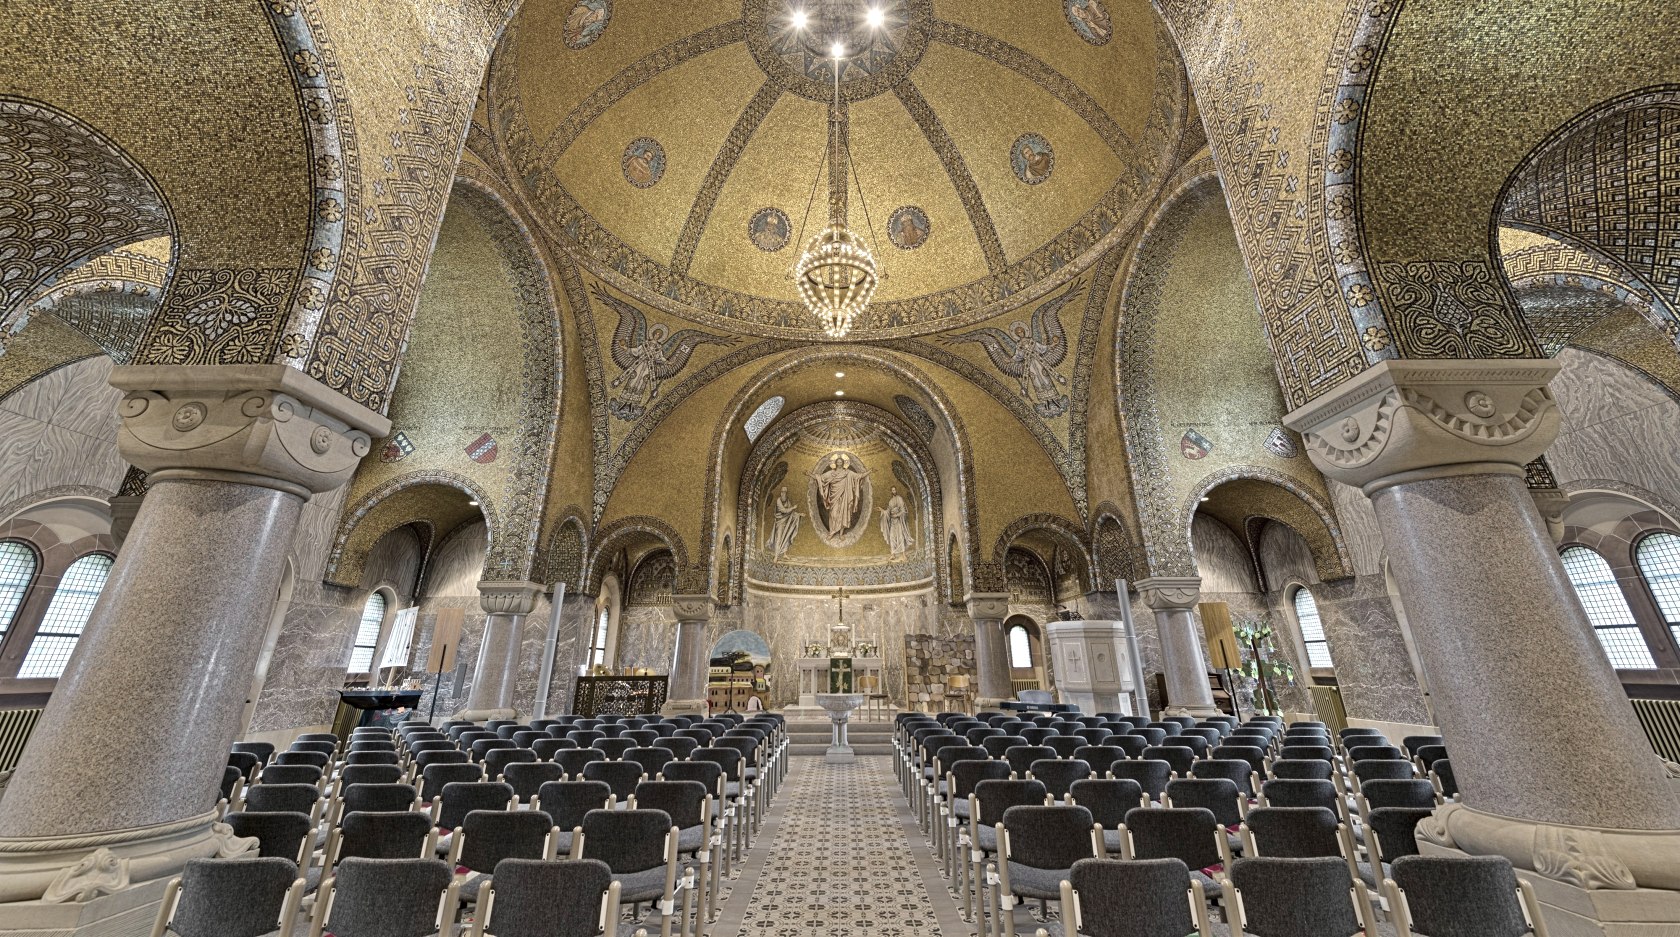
1000	146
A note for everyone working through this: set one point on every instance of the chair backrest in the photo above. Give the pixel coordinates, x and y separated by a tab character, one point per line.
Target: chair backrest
528	777
528	737
621	776
1376	753
1038	735
1093	733
489	836
1197	744
997	796
1217	795
996	745
496	762
1058	774
1442	769
279	834
966	774
451	756
1395	829
232	897
1302	769
508	731
1151	734
575	759
436	777
369	774
373	744
1384	769
1144	898
1290	793
1178	757
263	750
272	798
567	802
1066	745
1415	743
246	762
1108	799
1183	833
1294	832
616	747
372	758
231	776
378	797
1021	757
1253	754
628	841
1049	837
463	797
1289	897
1152	774
726	758
483	747
387	897
325	746
709	773
642	737
1320	752
291	774
953	754
680	748
1431	753
683	801
586	738
383	835
1099	757
1413	792
548	899
1235	770
1460	897
546	749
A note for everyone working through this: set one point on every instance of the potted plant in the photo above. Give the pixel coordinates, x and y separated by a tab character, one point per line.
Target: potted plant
1261	661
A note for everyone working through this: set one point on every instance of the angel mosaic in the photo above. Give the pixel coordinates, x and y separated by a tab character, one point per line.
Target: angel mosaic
648	356
1031	353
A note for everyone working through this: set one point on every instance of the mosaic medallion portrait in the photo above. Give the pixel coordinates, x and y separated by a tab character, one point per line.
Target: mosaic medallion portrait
769	229
644	162
908	228
1089	19
1032	158
585	23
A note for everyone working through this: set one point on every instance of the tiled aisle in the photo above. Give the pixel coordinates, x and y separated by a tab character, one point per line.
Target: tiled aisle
840	855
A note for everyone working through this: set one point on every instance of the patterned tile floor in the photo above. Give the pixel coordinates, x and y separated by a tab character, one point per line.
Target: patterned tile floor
840	854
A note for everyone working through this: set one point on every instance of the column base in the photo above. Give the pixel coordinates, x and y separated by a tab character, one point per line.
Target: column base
485	715
1585	858
84	866
1198	712
839	755
684	707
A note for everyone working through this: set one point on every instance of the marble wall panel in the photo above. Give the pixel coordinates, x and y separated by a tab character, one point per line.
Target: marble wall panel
790	621
647	637
1358	519
1373	666
1222	559
1618	426
60	430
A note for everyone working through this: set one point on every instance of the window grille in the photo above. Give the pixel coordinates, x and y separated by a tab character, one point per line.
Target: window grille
17	572
66	616
1659	562
1607	609
367	634
1312	630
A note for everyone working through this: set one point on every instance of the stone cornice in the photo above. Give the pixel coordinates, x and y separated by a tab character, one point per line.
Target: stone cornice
509	598
1404	420
1165	593
692	607
987	606
267	425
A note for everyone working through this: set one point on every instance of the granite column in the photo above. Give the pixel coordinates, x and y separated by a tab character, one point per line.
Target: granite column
1173	599
155	690
687	690
496	675
1555	771
991	648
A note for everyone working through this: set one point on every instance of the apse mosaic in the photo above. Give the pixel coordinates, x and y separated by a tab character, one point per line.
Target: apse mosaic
1090	20
908	228
769	229
1032	158
644	162
586	21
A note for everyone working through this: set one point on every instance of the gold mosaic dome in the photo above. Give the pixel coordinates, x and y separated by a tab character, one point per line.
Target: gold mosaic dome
1000	147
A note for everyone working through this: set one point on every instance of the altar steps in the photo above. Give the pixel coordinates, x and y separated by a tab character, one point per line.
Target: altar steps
867	737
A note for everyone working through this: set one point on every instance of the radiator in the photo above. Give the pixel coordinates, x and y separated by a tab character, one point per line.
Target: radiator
1661	719
15	726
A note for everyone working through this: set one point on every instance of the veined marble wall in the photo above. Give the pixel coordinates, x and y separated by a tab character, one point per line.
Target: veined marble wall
1227	572
789	621
1618	426
58	434
647	637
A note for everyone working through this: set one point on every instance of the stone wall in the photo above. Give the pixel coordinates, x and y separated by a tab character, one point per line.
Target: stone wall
930	661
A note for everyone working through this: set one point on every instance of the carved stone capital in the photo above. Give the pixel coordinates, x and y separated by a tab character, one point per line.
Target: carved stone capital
1587	858
509	598
1165	593
83	866
692	607
1401	421
254	424
987	606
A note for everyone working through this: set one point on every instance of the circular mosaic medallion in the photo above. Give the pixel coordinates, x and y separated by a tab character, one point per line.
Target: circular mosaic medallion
585	23
1090	20
908	228
799	59
643	162
769	229
1032	158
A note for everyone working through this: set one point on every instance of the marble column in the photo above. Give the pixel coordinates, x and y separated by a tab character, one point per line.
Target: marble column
120	778
496	674
690	660
1173	600
991	648
1555	771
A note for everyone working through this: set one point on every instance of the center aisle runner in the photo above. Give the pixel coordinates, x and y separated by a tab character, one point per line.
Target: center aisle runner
840	855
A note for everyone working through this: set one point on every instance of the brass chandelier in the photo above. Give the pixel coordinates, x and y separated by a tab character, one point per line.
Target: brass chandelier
837	273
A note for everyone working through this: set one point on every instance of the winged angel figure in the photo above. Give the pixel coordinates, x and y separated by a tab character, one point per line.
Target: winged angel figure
1030	354
648	356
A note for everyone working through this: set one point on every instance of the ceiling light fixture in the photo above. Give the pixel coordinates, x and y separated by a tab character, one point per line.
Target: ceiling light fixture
875	17
839	374
799	19
837	272
471	503
839	393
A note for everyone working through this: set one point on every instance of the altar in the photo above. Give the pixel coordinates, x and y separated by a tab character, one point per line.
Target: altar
837	675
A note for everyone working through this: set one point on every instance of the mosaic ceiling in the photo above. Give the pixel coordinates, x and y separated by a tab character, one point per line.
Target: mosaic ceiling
677	150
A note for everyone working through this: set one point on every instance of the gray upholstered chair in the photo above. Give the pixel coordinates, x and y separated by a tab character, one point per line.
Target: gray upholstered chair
1109	800
1058	774
1301	769
1178	757
1235	770
463	797
496	761
1445	781
1302	833
486	837
1099	757
291	774
621	776
986	806
1289	793
379	757
363	834
567	803
640	847
1151	774
526	898
1218	796
231	898
374	798
1037	848
546	749
263	750
1142	898
691	809
434	778
278	798
280	834
961	780
1191	835
574	760
1476	896
386	898
1272	897
528	777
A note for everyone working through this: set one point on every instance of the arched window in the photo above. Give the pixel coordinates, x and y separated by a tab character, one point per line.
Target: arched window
17	571
1312	630
367	634
1020	648
66	616
598	644
1659	562
762	416
1607	609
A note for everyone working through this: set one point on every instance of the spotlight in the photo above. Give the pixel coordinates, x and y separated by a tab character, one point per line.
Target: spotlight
839	393
472	504
839	374
838	50
799	19
875	17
